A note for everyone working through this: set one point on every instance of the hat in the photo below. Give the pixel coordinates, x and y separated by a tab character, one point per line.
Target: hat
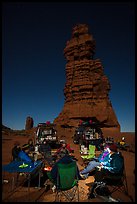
113	147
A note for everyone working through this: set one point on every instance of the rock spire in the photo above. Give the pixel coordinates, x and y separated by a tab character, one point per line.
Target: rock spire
87	88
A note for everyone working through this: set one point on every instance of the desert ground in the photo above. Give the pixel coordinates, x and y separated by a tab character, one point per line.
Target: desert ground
21	194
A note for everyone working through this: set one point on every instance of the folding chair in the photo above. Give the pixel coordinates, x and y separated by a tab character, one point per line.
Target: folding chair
118	182
67	182
91	153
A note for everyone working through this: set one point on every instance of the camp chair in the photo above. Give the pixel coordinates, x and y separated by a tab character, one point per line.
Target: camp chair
67	182
91	153
117	182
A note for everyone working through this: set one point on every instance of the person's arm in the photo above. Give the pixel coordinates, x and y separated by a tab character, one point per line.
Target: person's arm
114	163
100	166
99	157
106	164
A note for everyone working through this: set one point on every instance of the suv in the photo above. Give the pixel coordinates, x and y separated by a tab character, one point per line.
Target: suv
88	133
46	131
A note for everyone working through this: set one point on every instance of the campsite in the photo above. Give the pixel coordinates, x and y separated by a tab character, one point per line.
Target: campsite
36	193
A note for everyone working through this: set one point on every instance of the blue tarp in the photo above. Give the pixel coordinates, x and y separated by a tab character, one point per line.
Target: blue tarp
16	166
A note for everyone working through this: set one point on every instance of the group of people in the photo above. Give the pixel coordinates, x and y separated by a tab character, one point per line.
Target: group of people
109	162
44	149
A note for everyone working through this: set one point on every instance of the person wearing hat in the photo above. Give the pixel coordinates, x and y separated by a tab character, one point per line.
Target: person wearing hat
15	151
63	150
96	162
114	166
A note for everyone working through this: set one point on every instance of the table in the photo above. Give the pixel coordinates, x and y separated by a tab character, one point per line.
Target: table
30	168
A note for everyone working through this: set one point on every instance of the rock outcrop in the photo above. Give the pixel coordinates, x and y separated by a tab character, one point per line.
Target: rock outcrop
87	87
29	123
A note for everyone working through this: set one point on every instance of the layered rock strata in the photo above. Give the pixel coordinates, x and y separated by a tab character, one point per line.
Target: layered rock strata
87	87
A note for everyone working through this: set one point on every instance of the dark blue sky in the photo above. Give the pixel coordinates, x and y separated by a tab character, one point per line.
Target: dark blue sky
33	66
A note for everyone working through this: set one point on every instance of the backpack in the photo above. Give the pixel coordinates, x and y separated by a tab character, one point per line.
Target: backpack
102	190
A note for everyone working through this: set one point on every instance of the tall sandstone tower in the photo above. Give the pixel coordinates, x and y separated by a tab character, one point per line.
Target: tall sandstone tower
87	87
29	123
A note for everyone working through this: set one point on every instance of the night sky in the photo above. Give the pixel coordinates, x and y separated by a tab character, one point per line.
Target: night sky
34	36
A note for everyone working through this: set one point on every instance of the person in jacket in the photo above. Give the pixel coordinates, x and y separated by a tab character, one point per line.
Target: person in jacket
15	151
63	150
113	166
29	147
66	159
96	162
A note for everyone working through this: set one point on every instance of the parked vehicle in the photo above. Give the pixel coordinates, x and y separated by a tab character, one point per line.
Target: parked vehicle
46	131
88	133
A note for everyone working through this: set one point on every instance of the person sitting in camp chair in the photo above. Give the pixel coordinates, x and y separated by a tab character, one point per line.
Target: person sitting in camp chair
65	159
97	161
64	176
113	167
29	147
63	150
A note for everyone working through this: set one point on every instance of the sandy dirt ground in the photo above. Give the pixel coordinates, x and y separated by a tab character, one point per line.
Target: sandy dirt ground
35	194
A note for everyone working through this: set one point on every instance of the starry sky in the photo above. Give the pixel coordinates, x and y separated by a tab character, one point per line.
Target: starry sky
34	36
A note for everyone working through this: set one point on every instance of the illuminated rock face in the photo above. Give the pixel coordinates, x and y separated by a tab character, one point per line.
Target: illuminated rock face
87	87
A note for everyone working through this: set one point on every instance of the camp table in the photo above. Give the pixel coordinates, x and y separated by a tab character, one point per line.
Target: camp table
30	168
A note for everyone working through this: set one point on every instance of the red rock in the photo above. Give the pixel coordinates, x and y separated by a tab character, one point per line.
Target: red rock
87	87
29	123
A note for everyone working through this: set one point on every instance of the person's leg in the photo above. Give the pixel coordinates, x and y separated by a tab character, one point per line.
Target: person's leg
89	168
